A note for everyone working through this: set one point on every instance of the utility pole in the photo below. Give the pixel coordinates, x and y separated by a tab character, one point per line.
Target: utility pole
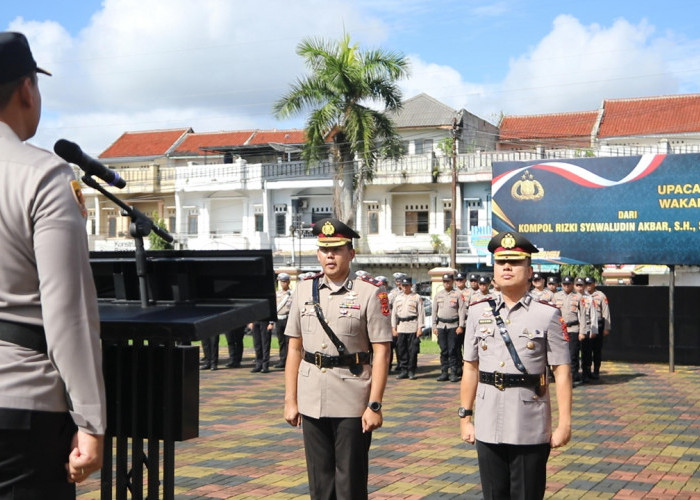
453	222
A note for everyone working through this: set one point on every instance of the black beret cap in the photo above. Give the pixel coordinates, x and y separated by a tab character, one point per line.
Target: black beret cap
16	58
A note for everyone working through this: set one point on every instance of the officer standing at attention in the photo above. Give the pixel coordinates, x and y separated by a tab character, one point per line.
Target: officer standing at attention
337	366
573	311
447	320
407	319
600	326
284	303
483	291
539	292
508	344
553	284
52	401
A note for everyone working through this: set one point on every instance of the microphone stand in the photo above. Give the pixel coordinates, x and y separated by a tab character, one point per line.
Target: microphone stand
141	225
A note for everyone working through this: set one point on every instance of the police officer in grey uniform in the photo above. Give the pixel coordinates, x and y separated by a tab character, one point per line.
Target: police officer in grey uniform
508	344
447	320
574	313
284	303
600	326
337	366
407	319
52	402
483	291
539	291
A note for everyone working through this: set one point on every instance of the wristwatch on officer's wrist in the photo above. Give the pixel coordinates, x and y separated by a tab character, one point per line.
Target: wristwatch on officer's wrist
462	412
375	406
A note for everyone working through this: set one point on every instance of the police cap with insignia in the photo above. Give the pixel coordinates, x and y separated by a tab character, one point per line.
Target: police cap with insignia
484	280
589	280
567	280
579	281
537	277
460	277
283	277
448	277
509	245
333	233
406	280
381	278
473	277
553	279
16	58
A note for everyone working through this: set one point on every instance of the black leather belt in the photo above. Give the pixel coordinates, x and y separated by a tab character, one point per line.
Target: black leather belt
448	320
572	323
503	380
407	318
325	361
25	335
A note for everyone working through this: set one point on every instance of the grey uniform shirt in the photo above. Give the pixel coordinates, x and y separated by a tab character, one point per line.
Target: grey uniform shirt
448	309
573	310
358	313
515	415
407	306
45	279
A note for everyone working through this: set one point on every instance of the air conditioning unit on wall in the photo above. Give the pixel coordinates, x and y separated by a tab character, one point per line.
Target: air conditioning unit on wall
303	203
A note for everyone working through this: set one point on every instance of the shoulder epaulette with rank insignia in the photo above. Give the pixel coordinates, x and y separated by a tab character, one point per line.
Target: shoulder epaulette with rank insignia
312	276
371	280
547	303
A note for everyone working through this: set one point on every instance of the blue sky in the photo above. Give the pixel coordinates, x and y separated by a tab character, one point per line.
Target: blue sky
126	65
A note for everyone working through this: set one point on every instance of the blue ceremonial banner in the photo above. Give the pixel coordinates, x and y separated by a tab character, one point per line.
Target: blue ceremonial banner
618	210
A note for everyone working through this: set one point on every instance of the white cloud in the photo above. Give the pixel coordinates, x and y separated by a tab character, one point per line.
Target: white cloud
149	64
575	67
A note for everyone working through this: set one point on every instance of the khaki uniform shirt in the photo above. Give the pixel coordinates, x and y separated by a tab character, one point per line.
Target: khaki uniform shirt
284	303
449	310
478	296
544	294
407	306
45	279
573	309
515	415
358	313
602	310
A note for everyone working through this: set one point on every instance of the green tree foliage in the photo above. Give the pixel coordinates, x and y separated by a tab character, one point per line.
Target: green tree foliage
342	83
158	243
576	270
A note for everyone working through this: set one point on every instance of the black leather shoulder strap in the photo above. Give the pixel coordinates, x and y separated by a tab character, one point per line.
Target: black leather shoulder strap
506	337
321	319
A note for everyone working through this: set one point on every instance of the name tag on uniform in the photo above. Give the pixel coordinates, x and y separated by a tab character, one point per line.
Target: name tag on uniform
485	321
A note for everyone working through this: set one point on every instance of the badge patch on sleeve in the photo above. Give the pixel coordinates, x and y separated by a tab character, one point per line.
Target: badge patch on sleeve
78	196
384	300
564	329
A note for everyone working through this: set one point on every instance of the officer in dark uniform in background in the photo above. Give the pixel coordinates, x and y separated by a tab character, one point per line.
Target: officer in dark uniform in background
447	320
512	426
338	396
52	399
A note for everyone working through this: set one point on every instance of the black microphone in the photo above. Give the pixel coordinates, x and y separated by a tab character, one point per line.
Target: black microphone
72	153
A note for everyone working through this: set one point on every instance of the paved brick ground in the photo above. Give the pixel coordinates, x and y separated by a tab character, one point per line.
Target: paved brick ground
636	435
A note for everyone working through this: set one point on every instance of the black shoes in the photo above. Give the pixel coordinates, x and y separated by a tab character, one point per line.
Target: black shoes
454	378
412	375
402	375
443	377
256	369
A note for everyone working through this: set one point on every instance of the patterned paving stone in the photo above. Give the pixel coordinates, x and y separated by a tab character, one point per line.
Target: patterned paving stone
636	435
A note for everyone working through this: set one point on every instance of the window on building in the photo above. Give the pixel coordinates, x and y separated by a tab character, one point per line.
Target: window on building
473	205
111	227
373	218
318	213
259	223
172	224
447	214
417	219
280	224
192	224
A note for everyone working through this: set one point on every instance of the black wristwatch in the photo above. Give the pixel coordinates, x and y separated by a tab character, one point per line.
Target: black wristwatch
375	406
462	412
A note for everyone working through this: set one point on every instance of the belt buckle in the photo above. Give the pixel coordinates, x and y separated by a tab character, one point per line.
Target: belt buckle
499	381
318	360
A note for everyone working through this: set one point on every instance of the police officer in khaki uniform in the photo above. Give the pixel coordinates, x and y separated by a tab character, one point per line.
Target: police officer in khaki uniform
553	284
337	395
483	291
600	326
539	292
447	320
512	427
52	402
407	319
573	311
284	303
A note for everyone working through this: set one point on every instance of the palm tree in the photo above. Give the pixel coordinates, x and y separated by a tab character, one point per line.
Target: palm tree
343	81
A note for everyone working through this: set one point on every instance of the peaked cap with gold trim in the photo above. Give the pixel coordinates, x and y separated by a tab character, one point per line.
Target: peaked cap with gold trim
509	245
333	233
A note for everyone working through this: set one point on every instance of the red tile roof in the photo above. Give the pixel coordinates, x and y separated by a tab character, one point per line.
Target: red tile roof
676	114
560	126
147	143
279	136
194	142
